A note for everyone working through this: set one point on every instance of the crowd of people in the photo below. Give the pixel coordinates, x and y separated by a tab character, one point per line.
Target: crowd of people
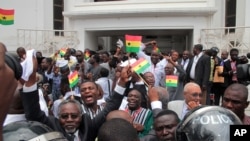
113	102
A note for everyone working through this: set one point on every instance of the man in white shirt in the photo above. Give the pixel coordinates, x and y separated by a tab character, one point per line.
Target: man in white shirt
198	71
105	83
156	65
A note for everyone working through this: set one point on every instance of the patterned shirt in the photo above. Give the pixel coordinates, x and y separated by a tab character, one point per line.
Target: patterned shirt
91	112
246	120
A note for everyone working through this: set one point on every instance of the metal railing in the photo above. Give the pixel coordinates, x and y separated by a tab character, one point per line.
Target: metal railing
46	41
226	38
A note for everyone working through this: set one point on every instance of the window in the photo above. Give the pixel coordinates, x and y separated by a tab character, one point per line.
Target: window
58	17
230	15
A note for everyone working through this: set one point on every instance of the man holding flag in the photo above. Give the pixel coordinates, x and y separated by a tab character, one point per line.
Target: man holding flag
71	122
134	44
174	82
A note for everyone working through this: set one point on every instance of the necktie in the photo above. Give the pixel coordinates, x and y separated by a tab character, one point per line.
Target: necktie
72	137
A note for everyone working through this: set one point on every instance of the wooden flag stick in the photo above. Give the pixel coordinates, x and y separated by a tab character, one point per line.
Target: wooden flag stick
72	95
143	80
138	74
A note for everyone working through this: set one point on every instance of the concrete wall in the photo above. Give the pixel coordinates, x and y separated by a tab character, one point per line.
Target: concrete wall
29	14
87	17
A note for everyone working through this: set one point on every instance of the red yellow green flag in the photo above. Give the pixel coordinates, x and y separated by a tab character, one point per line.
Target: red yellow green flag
171	80
140	65
133	43
63	51
7	16
73	79
86	55
155	48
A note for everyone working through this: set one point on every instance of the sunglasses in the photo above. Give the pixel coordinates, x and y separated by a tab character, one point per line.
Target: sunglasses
66	116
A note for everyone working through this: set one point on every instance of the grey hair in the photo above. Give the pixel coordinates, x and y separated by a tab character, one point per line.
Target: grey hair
73	101
190	85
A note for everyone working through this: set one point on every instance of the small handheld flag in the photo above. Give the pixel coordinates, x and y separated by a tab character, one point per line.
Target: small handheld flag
140	65
86	55
133	43
73	79
6	16
63	51
171	80
155	48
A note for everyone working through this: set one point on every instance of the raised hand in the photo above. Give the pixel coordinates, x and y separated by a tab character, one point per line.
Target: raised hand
32	78
192	104
125	75
153	94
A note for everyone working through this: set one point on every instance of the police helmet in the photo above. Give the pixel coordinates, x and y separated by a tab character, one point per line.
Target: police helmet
30	131
72	51
207	123
215	49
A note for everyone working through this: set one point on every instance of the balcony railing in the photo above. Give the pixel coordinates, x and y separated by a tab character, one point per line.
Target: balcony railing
46	41
226	38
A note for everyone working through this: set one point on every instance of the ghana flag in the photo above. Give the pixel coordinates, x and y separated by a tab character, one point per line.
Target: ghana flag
133	43
63	51
86	55
171	80
155	48
140	65
6	16
73	79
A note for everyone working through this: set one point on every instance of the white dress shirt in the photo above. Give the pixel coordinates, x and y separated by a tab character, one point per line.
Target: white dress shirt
106	85
185	110
196	58
184	63
157	70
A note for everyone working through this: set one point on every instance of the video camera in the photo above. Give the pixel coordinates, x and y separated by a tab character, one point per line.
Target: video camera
243	72
11	60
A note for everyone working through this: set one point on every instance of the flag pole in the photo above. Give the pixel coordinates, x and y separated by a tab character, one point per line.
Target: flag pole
143	80
138	74
72	95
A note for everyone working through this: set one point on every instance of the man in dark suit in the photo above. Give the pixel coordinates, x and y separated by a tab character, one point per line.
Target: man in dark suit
198	71
71	122
184	60
230	67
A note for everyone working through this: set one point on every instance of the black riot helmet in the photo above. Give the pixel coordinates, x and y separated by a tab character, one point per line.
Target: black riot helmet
207	123
30	131
215	49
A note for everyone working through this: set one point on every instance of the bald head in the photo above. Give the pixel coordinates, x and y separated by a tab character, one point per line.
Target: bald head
119	114
189	86
163	96
241	90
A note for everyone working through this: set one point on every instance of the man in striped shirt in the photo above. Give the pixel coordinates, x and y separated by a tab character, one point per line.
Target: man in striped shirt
142	118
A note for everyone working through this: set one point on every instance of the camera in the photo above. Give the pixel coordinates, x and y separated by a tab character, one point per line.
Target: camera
243	72
12	61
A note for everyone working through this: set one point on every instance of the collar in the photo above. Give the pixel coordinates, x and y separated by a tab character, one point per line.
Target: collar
200	54
232	60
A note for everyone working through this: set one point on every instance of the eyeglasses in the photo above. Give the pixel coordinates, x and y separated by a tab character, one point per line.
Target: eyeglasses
66	116
167	127
232	101
196	94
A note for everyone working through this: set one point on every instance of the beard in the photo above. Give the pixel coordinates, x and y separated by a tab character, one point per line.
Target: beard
70	130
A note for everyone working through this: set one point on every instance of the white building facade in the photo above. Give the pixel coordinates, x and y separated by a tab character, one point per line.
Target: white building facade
174	24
